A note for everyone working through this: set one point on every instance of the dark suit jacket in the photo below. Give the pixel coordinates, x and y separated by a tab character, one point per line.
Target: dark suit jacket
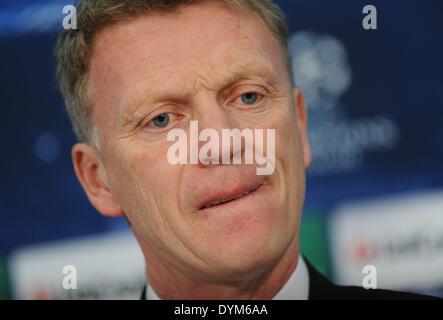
320	288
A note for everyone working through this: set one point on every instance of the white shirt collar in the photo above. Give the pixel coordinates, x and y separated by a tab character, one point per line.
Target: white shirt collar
296	288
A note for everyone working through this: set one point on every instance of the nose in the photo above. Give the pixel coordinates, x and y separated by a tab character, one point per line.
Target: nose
211	141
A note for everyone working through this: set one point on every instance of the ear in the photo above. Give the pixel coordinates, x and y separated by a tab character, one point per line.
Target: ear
92	176
302	123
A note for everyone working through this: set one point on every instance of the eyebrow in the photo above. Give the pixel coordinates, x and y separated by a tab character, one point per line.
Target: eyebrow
247	71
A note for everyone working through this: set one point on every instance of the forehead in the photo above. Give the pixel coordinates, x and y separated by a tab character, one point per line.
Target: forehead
197	46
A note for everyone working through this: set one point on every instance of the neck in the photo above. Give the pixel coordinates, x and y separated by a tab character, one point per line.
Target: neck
171	284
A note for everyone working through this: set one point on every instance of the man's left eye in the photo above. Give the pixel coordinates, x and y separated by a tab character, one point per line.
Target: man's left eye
249	98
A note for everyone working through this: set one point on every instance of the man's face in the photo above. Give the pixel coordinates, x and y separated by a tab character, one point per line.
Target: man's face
198	64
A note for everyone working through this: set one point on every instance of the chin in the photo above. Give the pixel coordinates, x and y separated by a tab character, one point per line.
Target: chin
252	250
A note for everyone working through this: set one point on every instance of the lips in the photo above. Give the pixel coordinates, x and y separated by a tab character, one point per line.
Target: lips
221	197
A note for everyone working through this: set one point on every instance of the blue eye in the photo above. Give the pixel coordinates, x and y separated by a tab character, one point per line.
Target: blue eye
249	98
161	120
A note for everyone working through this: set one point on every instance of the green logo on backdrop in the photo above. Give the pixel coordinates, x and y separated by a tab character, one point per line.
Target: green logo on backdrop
313	244
4	287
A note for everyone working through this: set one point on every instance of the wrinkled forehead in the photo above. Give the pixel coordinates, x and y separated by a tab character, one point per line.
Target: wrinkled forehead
200	45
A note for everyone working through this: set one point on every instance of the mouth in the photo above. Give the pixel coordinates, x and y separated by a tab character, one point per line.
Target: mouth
219	202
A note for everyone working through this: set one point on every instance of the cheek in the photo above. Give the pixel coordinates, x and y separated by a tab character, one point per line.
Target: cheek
289	155
157	181
141	180
287	139
146	188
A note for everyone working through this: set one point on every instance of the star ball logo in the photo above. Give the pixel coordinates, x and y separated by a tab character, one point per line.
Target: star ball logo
209	153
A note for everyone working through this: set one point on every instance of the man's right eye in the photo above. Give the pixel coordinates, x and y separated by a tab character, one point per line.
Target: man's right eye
161	120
